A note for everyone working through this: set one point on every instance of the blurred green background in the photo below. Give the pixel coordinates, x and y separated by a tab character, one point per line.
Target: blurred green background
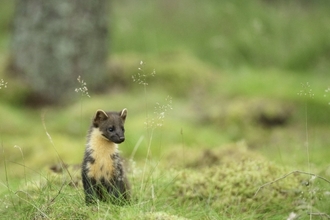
226	64
253	71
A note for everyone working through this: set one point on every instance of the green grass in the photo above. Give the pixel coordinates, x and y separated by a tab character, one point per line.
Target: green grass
226	65
214	117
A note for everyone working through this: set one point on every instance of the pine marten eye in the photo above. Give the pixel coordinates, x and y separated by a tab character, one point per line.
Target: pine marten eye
111	129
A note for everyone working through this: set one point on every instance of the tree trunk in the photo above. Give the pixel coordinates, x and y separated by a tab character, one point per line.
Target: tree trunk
54	42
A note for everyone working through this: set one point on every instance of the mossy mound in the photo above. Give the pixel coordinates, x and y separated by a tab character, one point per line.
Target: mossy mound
232	187
227	181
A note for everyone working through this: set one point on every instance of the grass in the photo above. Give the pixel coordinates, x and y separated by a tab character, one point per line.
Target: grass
236	121
159	178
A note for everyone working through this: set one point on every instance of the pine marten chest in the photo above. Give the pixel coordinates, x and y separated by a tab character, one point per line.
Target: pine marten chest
102	164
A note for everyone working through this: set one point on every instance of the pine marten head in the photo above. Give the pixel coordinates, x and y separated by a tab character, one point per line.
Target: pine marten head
111	125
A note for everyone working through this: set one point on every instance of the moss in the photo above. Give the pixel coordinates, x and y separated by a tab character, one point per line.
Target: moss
229	180
233	187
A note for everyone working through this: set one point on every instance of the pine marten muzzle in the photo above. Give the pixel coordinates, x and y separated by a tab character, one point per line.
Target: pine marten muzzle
103	174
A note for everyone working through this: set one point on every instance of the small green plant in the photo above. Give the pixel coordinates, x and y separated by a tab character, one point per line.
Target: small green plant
151	123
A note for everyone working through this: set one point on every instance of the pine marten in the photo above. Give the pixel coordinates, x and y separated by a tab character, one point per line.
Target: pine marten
103	174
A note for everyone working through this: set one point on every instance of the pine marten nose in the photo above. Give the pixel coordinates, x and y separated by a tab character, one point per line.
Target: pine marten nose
121	138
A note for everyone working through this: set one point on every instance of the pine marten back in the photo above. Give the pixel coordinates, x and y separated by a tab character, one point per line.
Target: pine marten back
103	174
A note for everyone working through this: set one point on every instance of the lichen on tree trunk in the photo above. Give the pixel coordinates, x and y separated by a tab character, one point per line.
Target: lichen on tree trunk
56	41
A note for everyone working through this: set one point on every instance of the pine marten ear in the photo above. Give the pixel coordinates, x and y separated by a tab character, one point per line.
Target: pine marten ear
123	114
99	117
